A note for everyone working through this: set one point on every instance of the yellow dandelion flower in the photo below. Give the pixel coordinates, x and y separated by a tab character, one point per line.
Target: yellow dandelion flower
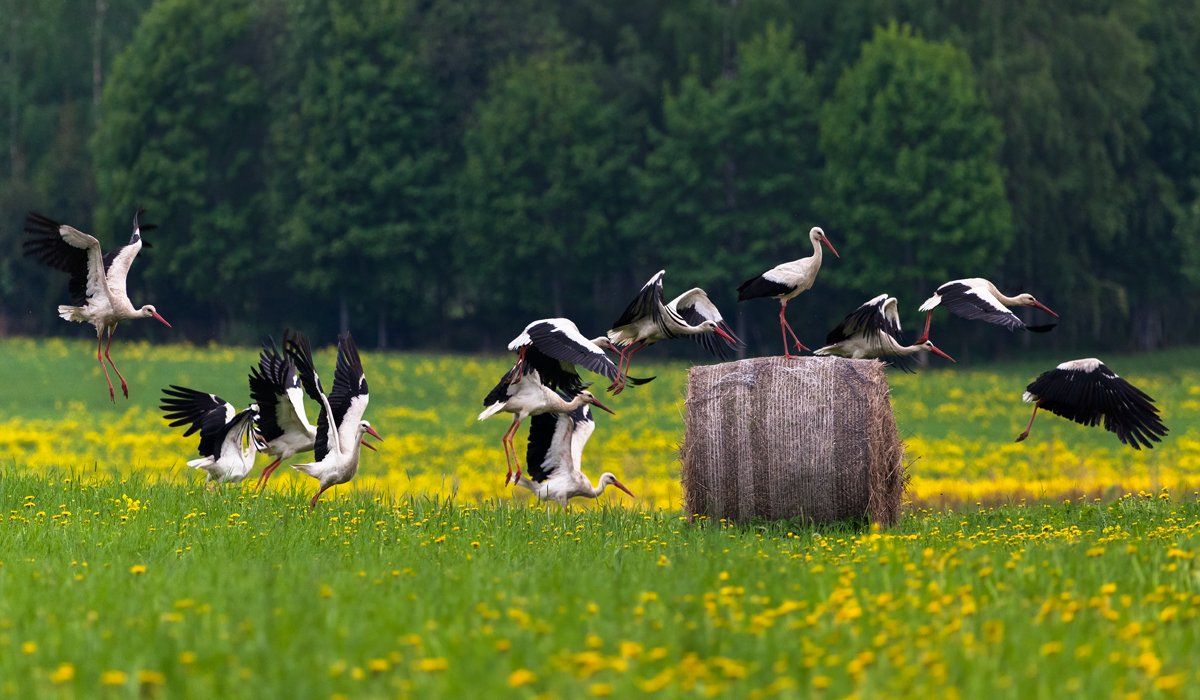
137	569
151	678
520	677
63	674
600	690
29	648
432	664
113	678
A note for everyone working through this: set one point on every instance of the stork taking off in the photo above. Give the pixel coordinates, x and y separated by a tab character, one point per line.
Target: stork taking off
785	281
977	298
340	424
97	284
873	331
647	320
228	441
555	458
282	419
1088	392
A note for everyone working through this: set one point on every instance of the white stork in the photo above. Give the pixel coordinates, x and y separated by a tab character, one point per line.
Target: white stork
787	280
97	284
282	418
647	320
1088	392
547	352
873	331
977	298
228	440
555	458
340	424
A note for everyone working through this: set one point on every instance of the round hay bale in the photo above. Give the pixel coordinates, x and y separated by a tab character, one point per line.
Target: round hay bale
811	438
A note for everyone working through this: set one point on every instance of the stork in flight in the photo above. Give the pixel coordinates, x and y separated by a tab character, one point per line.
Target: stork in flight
647	320
547	352
97	284
872	331
340	424
228	440
555	457
1088	392
977	298
786	281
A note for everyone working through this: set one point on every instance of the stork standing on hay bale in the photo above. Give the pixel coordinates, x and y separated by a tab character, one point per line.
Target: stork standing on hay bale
98	280
979	299
555	458
786	281
872	331
1088	392
648	320
547	352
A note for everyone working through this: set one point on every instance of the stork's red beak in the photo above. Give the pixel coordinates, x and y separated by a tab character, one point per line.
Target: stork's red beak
725	334
621	486
825	240
368	445
372	433
602	407
158	317
936	351
1045	308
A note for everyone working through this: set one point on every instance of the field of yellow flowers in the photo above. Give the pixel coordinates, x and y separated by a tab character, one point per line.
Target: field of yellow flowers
121	576
958	426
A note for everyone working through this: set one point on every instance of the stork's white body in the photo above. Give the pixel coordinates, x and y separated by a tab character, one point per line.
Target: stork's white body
976	298
345	446
299	435
237	452
560	474
798	275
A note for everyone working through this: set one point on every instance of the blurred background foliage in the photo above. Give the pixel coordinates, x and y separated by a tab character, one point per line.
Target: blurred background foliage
435	173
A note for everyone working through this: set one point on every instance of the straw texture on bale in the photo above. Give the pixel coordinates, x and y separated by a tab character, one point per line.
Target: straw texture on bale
812	439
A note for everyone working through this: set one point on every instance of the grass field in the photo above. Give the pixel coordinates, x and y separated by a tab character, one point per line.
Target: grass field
120	575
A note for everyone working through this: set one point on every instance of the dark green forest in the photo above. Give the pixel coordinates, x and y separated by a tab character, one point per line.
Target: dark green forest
435	173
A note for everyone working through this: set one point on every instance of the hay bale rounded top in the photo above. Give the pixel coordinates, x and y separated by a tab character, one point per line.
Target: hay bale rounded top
812	438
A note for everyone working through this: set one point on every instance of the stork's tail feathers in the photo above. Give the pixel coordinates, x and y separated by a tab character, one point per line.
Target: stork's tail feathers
825	351
930	304
306	468
491	410
638	381
1041	329
201	463
71	313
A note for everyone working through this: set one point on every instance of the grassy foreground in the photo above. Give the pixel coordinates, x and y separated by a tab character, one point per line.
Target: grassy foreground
135	589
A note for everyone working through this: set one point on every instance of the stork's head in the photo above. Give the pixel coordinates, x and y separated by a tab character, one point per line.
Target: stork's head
364	428
928	345
148	311
1028	300
609	478
720	330
818	237
589	398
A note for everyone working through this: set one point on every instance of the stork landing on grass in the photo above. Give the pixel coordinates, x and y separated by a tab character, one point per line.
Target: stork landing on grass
228	440
555	458
786	281
97	285
1088	392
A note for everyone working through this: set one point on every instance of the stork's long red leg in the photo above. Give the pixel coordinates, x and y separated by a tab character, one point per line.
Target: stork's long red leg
1025	434
624	375
508	446
112	395
801	347
925	333
107	347
313	503
266	473
787	327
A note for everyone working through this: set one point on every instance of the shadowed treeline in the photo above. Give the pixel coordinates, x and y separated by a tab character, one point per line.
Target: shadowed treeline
434	174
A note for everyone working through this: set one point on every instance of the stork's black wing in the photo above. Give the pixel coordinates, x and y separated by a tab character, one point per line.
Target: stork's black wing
46	246
709	341
349	381
206	413
549	441
647	304
560	340
1092	396
867	320
269	382
961	300
499	393
297	348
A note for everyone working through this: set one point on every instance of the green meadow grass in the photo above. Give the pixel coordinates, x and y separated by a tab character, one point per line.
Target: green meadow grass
155	589
139	587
